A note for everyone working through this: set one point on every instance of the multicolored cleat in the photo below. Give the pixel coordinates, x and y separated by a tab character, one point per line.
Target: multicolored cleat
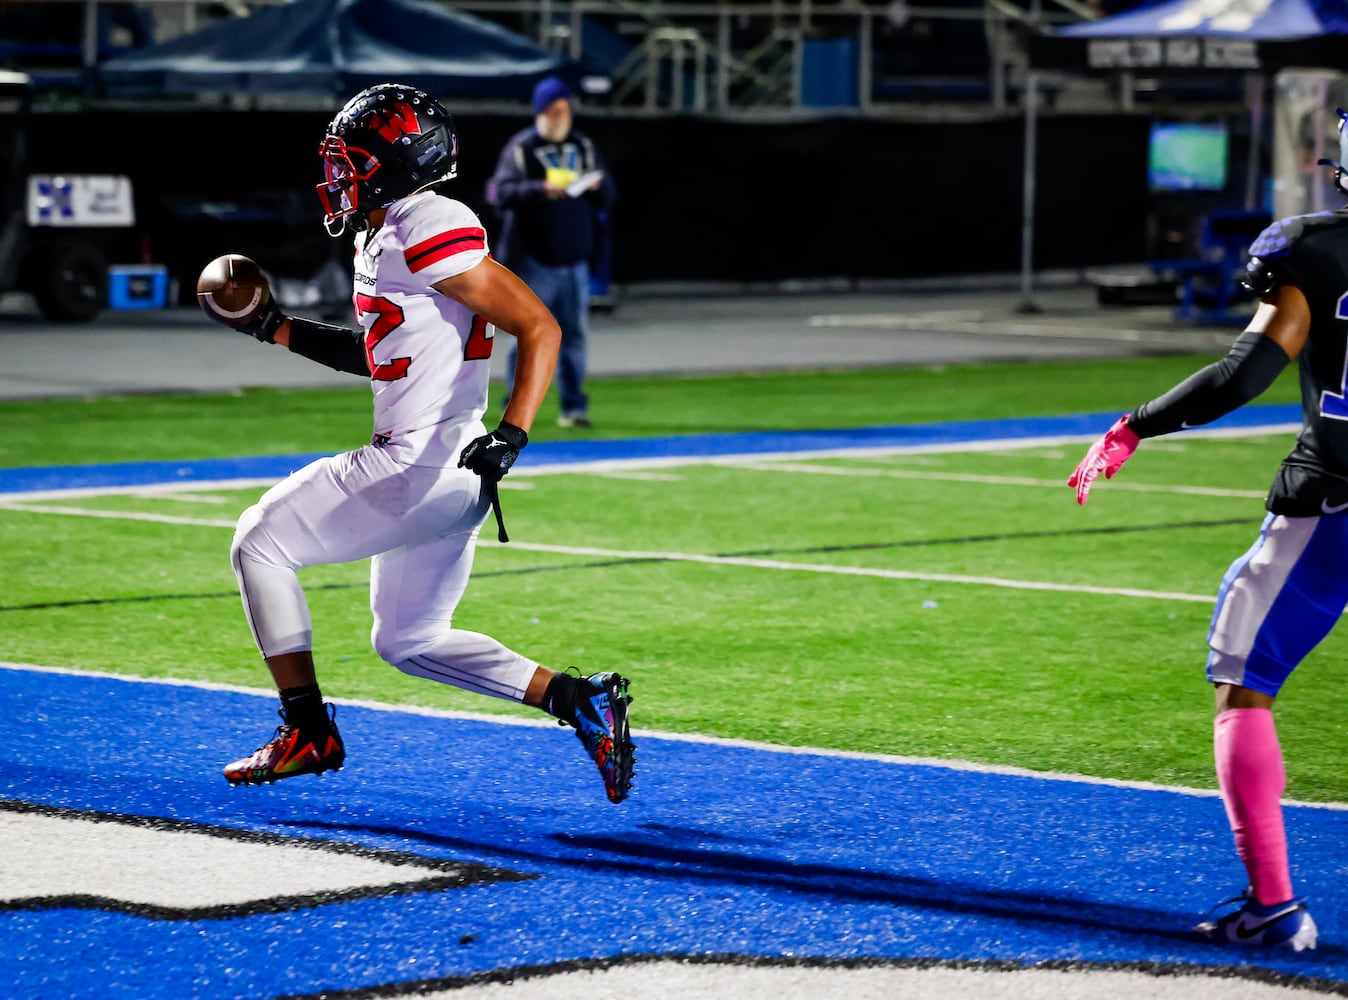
1253	925
601	725
288	754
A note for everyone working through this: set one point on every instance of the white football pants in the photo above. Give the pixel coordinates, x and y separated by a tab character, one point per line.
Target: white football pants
420	525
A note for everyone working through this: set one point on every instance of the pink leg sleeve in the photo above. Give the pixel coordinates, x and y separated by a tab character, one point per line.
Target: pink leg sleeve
1250	772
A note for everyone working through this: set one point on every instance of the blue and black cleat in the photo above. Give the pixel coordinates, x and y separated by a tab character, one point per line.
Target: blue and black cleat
601	723
1253	925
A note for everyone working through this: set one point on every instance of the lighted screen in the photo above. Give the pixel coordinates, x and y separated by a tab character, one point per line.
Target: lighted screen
1187	157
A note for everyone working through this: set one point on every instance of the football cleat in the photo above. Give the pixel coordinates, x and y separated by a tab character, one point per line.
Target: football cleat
288	754
1282	925
601	724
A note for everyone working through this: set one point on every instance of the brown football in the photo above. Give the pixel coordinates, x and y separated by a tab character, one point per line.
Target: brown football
231	289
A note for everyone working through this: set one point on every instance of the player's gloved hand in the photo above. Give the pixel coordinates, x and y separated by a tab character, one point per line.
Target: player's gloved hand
262	322
1107	455
492	455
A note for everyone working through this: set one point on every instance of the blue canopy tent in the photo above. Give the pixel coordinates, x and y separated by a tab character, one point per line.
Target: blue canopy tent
1256	20
1177	38
336	47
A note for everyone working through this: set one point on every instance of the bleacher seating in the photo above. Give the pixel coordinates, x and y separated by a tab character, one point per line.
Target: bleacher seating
1208	282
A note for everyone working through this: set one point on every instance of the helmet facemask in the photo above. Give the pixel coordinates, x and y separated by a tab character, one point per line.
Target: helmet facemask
340	191
1339	164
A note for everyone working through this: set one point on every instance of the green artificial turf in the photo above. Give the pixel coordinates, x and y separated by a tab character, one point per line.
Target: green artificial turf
282	422
777	641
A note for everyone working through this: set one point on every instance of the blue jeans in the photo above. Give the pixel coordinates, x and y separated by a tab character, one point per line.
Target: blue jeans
566	293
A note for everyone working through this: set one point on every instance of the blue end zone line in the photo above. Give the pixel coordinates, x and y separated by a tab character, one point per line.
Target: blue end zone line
561	456
698	739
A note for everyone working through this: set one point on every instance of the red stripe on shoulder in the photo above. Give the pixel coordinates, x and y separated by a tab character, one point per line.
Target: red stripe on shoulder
443	245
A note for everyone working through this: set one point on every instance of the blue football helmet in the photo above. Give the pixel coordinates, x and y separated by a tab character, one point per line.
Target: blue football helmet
1338	164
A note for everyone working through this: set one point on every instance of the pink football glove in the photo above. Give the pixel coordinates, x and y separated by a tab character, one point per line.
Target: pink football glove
1107	455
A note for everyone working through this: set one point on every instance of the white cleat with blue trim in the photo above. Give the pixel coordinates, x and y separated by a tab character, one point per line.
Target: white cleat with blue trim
1282	925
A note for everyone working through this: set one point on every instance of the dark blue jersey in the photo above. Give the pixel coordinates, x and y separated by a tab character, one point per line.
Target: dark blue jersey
1310	252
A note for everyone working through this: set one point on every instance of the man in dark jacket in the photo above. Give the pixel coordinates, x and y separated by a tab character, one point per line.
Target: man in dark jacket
551	188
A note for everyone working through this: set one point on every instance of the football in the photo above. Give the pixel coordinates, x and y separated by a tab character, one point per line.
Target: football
232	288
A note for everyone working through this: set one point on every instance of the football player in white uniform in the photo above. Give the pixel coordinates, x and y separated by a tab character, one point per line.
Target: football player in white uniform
428	298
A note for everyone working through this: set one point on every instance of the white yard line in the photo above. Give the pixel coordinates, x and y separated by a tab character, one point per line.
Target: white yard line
972	477
180	496
804	751
884	574
1047	454
639	476
165	490
116	515
694	557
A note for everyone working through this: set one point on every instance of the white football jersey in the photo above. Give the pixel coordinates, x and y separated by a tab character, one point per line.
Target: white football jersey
429	356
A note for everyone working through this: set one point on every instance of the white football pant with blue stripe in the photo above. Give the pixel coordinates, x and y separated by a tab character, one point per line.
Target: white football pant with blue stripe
1278	601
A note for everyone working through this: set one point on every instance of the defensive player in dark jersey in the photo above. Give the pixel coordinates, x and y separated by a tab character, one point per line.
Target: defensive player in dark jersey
1283	596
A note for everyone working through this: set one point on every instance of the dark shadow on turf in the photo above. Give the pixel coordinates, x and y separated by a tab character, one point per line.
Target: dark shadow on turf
608	563
646	859
233	595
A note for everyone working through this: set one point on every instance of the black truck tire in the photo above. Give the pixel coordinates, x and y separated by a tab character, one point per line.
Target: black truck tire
69	280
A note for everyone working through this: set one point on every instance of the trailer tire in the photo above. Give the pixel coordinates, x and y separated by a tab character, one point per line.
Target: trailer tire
70	281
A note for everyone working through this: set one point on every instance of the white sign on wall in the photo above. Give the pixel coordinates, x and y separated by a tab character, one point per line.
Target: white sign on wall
1172	53
80	200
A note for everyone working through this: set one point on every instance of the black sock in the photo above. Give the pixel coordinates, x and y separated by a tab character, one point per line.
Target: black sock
304	708
559	698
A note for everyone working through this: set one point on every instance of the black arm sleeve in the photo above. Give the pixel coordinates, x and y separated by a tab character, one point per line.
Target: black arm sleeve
1252	365
335	346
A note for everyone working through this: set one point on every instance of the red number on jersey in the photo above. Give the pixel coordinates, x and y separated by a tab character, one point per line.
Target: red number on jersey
388	317
480	340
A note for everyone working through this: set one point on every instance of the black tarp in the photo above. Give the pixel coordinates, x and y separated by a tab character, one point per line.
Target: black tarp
934	227
334	48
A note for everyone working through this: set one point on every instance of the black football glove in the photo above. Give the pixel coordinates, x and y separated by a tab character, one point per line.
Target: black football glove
263	323
492	455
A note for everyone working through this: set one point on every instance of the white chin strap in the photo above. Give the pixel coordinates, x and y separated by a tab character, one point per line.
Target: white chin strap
447	176
352	222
